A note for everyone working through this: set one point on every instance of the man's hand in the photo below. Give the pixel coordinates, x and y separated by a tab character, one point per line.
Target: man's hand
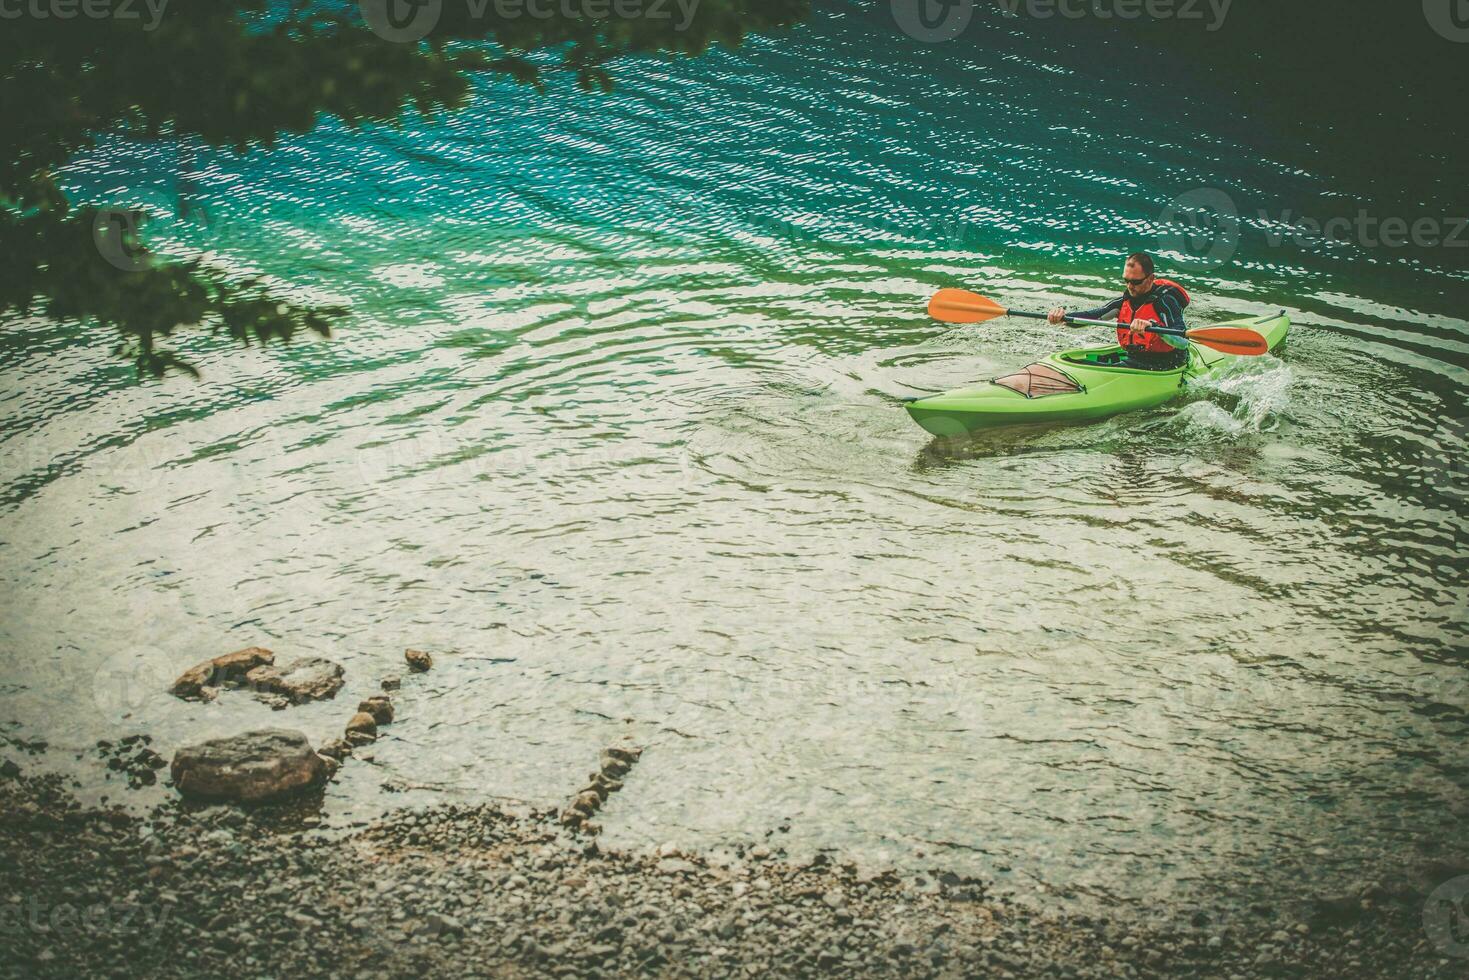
1143	325
1057	315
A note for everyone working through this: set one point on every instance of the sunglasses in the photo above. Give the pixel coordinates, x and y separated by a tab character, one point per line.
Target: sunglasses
1136	282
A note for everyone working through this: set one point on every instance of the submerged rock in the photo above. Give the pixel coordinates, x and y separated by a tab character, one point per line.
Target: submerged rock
379	707
250	768
617	761
418	661
624	752
362	723
302	680
202	681
675	866
131	757
337	748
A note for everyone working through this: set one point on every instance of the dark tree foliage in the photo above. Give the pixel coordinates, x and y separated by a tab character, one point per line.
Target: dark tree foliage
236	74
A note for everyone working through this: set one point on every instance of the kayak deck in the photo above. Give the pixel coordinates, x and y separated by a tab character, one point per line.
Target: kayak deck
1092	384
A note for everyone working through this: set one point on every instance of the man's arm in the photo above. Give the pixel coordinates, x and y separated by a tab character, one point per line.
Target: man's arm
1167	304
1171	310
1101	313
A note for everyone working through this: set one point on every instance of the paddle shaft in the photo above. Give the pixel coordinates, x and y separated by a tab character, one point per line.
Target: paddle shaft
1080	322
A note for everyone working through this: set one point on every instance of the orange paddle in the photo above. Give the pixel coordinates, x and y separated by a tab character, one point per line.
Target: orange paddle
962	306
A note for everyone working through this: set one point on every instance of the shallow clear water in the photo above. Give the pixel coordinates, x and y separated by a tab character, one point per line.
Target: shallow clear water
615	430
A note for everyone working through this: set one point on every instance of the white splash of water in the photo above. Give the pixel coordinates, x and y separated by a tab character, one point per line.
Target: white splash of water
1247	395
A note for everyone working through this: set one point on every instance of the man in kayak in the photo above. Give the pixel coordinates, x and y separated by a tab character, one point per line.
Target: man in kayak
1150	307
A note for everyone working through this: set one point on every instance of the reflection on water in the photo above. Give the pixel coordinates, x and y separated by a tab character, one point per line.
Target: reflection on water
616	431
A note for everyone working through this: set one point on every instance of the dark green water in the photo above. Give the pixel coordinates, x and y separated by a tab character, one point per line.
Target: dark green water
616	427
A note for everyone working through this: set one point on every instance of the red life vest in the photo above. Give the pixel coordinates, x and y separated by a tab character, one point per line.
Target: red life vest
1141	340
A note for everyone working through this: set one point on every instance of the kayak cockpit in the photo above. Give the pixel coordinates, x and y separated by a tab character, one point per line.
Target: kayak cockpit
1108	359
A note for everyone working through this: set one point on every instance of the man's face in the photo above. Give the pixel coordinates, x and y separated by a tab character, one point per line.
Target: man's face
1139	283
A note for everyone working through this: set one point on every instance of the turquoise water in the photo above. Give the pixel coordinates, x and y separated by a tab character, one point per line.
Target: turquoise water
615	428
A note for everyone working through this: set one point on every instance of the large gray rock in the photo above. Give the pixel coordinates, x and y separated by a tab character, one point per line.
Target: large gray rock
306	679
202	681
249	768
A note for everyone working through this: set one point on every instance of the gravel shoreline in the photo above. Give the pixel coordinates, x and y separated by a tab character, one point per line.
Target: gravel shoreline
187	892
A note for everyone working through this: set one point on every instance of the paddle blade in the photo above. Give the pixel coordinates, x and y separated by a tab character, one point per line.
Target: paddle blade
962	306
1230	340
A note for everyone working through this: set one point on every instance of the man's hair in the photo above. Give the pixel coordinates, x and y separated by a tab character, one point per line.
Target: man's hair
1143	259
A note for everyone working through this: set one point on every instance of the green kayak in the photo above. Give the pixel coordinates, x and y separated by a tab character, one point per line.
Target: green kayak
1076	385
